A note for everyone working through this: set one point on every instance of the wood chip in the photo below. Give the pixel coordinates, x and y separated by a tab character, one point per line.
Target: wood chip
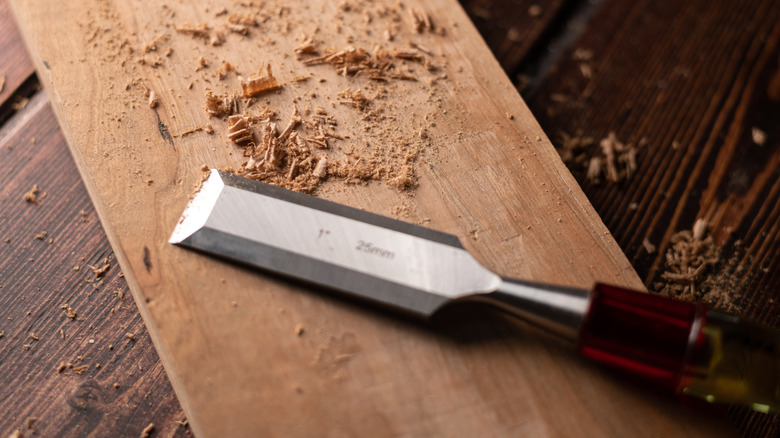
699	229
421	21
32	195
68	311
153	101
353	98
147	431
308	47
759	136
100	271
535	11
226	68
200	30
30	422
19	104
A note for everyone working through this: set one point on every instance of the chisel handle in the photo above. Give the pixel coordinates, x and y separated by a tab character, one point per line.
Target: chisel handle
675	344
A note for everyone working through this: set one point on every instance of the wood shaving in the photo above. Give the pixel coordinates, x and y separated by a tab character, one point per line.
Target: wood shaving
153	100
217	39
237	28
307	47
202	63
239	130
353	98
260	83
16	434
699	229
649	247
69	311
581	54
321	169
352	61
759	136
100	271
32	195
223	71
412	55
20	104
421	21
617	161
535	11
200	30
221	105
147	431
243	20
153	45
208	129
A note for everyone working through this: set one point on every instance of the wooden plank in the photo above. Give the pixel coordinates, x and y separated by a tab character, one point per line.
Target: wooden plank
16	66
485	172
698	80
46	251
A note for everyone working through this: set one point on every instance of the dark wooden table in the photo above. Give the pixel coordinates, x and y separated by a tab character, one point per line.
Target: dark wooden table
691	91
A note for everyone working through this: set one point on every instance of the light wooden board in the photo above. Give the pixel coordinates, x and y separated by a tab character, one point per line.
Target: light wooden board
485	172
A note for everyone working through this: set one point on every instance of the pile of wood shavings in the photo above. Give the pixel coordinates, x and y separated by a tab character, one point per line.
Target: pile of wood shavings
307	149
614	160
691	272
297	156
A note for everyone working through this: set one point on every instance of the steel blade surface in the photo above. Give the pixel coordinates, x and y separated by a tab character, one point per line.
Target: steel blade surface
372	257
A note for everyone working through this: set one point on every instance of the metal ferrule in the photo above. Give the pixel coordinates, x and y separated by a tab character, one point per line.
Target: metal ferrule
556	309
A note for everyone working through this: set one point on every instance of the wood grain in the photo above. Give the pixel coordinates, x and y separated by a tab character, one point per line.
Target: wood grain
226	336
695	79
46	252
514	28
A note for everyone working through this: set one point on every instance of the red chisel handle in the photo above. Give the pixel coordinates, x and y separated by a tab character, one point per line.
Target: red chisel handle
675	344
684	347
